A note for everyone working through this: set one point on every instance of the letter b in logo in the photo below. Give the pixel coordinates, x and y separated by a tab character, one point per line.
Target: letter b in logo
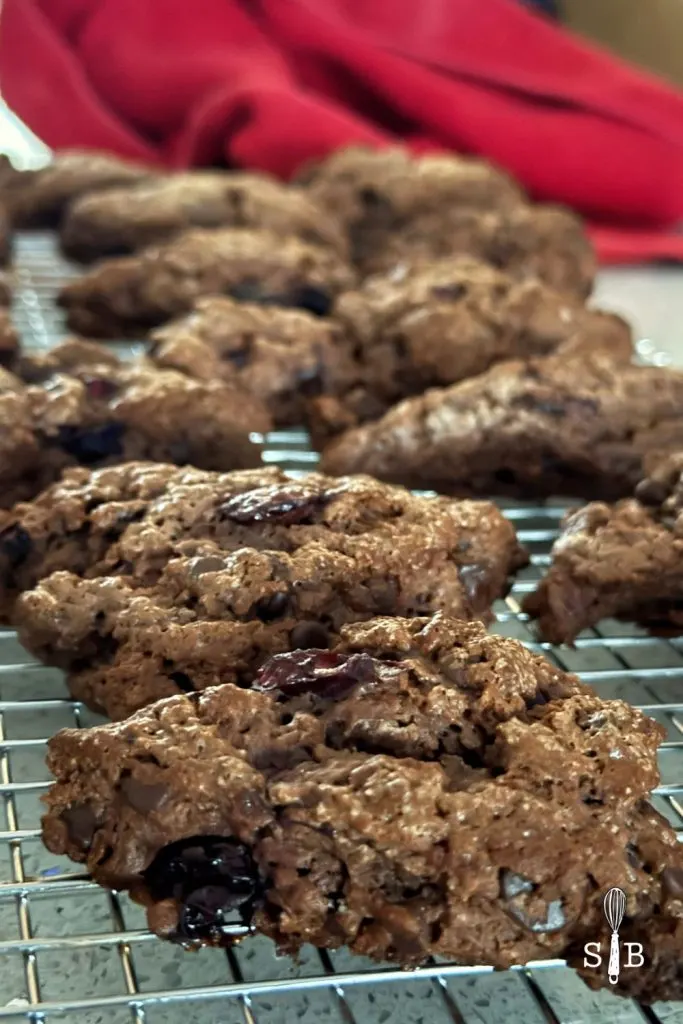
634	954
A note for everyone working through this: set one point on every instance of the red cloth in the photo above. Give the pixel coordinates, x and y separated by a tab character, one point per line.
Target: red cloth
271	83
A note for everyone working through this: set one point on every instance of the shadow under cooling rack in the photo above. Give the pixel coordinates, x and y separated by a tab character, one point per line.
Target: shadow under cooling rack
71	952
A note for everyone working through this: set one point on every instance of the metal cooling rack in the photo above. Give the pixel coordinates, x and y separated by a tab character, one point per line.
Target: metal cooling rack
71	952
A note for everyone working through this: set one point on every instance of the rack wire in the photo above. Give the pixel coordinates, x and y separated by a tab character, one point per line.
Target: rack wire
70	951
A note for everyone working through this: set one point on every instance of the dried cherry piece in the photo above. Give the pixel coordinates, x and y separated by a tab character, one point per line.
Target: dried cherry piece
99	388
324	673
277	504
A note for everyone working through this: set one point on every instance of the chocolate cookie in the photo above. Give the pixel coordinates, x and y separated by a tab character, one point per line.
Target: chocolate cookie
623	560
418	775
579	425
37	198
284	356
134	293
74	522
97	413
435	324
123	220
400	209
214	578
378	194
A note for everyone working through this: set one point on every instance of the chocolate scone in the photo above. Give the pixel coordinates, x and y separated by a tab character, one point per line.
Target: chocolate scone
580	425
98	413
123	220
623	560
399	209
134	293
285	356
421	789
435	324
37	198
208	584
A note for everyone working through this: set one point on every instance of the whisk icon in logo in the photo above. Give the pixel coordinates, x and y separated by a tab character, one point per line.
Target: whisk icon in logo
614	906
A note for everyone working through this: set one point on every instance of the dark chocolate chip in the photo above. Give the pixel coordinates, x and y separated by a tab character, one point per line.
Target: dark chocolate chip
179	452
239	357
672	882
208	563
273	607
15	544
142	796
475	581
450	292
129	515
182	681
314	300
81	822
633	856
310	379
369	197
652	492
505	476
308	634
93	444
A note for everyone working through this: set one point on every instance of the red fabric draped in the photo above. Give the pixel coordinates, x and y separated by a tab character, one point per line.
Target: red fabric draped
269	84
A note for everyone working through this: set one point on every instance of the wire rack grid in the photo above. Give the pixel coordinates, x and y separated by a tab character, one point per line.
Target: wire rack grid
71	952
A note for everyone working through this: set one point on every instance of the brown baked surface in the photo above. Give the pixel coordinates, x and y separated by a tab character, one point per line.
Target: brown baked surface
284	356
9	338
579	426
5	291
38	198
116	221
135	293
220	571
79	404
422	789
399	208
431	325
73	523
623	560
